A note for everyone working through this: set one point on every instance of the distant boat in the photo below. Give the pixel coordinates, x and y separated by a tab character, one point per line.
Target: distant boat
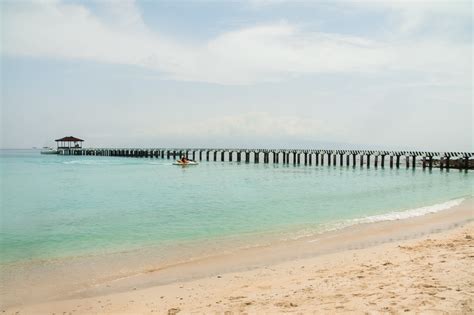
48	150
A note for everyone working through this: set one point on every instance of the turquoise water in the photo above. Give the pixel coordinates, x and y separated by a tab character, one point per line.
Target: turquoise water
62	206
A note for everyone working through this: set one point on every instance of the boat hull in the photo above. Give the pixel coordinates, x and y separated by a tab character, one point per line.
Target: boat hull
185	164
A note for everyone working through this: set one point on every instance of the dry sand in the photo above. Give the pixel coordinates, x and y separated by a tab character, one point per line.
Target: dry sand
430	274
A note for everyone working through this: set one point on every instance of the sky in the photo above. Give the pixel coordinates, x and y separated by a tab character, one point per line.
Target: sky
250	73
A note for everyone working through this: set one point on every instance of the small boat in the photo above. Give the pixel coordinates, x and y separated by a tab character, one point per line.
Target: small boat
48	150
189	162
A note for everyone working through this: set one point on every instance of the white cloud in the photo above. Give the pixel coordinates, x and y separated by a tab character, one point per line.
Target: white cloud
248	55
251	124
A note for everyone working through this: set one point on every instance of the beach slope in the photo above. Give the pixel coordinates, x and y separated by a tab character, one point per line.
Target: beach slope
432	273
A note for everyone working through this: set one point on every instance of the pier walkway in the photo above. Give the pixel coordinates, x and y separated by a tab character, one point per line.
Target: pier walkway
367	158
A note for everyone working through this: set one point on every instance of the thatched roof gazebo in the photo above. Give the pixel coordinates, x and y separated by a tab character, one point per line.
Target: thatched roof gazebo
69	143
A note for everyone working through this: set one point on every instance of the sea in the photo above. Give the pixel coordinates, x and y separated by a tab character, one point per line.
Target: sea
55	208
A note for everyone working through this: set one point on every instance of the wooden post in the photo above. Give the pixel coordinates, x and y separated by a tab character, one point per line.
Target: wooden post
215	155
334	159
376	158
329	159
447	162
347	159
361	156
341	157
368	160
407	161
322	159
316	160
466	162
382	160
430	162
398	161
305	158
413	161
391	161
222	156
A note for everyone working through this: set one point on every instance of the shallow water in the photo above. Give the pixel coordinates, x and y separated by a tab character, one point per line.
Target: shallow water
54	207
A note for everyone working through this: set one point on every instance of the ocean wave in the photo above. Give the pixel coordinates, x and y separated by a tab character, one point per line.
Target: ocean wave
88	162
110	162
406	214
390	216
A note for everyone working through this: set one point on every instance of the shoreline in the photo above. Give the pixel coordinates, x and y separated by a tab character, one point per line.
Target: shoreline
266	238
355	237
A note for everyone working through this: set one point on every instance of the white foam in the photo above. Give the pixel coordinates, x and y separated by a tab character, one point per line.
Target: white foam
392	216
87	162
417	212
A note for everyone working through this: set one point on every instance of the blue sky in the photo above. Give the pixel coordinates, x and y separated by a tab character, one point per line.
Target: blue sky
267	73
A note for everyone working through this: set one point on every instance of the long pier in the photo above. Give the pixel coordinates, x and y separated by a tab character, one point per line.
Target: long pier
361	158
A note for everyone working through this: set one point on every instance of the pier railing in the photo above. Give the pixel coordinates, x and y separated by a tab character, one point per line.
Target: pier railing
362	158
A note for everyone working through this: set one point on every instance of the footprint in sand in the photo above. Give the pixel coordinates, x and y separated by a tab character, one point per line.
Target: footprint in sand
173	311
232	298
286	304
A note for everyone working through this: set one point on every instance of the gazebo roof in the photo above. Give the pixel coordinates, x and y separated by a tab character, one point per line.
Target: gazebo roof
69	139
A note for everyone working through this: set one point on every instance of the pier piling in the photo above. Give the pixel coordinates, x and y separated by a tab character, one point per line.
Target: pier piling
459	160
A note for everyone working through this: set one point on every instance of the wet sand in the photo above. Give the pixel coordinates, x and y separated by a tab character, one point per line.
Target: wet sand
422	264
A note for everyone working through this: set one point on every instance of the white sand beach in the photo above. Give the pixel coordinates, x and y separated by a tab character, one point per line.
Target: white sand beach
424	264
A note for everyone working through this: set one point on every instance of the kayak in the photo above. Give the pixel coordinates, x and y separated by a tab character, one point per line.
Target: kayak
187	163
